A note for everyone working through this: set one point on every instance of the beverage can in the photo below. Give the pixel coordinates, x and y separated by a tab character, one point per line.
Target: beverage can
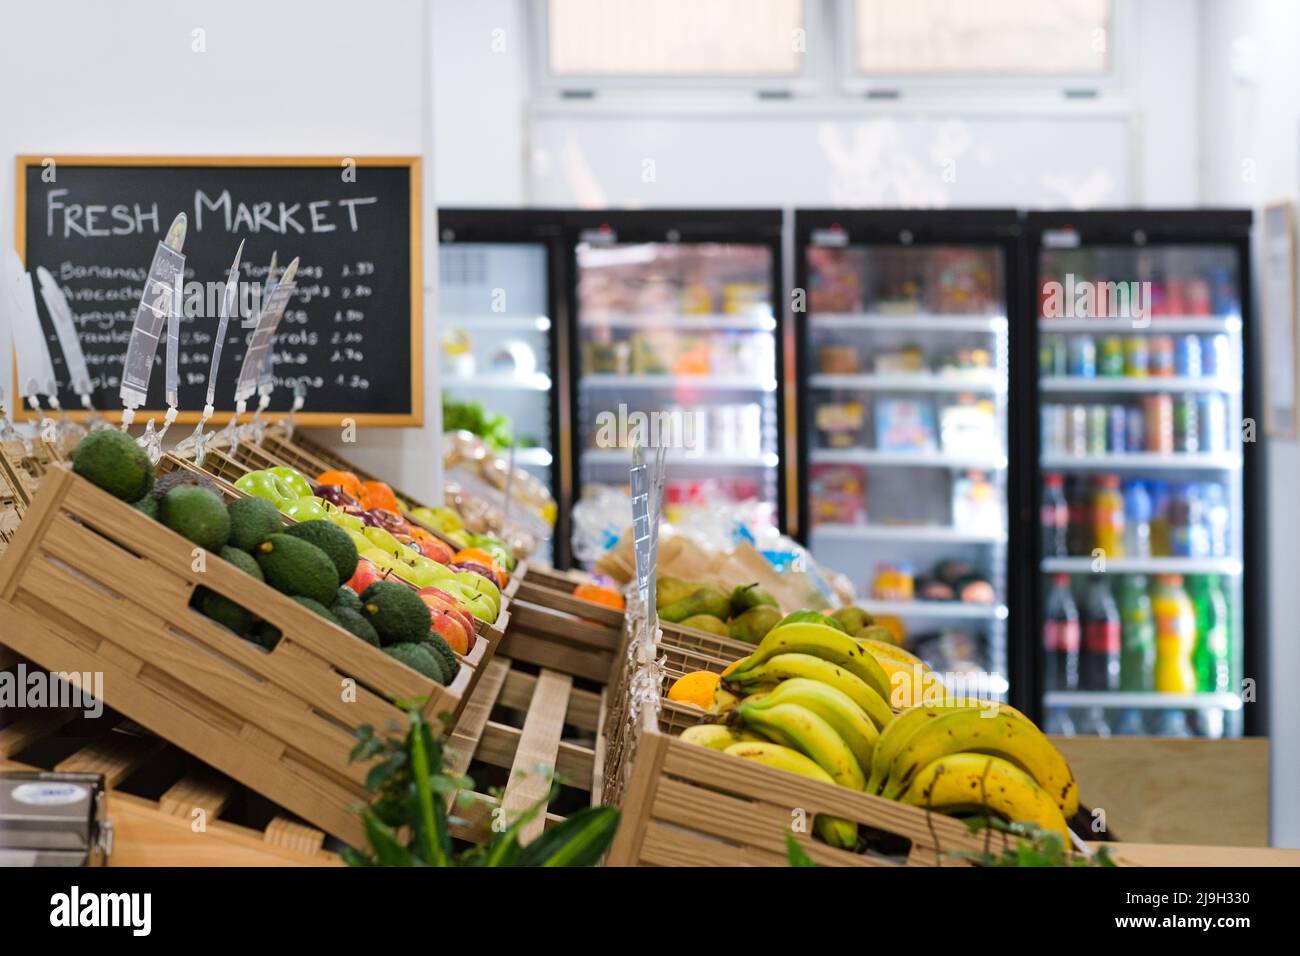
1083	357
1078	430
1187	431
1098	425
1111	363
1136	433
1117	437
1216	357
1159	423
1187	356
1161	361
1136	356
1214	422
1055	430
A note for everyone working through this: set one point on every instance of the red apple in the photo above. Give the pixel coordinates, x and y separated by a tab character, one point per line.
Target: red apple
438	550
435	597
365	575
452	631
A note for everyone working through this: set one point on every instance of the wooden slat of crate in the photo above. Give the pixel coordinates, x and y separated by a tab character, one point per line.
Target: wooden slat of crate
537	750
277	721
202	789
560	641
584	705
564	601
114	755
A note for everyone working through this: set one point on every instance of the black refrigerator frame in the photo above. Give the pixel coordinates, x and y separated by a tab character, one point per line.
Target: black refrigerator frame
928	227
1136	228
761	227
534	227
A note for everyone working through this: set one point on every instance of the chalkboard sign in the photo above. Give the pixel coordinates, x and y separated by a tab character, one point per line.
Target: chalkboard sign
352	331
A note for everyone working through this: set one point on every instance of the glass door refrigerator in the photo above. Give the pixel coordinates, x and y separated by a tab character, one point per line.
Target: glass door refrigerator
1143	600
675	343
904	420
504	358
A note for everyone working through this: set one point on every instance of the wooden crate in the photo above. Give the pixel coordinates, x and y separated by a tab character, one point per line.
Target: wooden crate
154	790
519	720
687	805
91	584
551	628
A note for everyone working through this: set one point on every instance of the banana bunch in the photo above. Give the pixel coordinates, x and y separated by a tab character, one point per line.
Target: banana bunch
959	757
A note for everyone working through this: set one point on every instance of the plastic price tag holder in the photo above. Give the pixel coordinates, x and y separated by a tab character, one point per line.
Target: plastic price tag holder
35	369
65	326
263	336
198	441
150	315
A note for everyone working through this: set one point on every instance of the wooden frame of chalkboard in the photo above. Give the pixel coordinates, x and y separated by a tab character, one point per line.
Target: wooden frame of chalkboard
410	416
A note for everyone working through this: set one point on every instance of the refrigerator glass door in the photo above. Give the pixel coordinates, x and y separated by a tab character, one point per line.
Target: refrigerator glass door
496	355
676	347
906	411
1140	392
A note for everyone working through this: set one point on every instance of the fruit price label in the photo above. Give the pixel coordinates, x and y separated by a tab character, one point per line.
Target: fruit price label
154	308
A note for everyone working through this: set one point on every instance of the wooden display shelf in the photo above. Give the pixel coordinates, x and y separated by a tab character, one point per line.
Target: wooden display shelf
91	584
194	820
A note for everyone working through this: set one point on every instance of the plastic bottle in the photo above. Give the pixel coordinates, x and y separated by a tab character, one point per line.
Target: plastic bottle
1137	520
1212	656
1058	723
1131	724
1055	518
1079	530
1189	533
1137	635
1159	519
1175	636
1173	723
1061	636
1094	722
1099	665
1108	517
1217	519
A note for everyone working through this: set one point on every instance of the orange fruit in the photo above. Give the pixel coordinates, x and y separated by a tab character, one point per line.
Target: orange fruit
349	482
597	594
376	494
695	688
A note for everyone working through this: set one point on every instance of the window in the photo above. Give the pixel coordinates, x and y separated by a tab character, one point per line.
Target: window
675	38
964	38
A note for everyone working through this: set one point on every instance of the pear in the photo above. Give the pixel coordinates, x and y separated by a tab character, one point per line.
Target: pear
706	622
745	596
706	600
752	626
670	590
853	618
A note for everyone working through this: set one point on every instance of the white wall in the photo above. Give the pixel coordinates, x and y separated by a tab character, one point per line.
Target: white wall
1250	125
304	77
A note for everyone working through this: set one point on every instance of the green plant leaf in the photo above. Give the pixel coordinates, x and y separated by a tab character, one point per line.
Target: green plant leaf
581	840
388	852
795	853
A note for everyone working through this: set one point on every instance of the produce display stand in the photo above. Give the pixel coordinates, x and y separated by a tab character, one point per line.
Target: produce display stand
163	830
91	584
687	805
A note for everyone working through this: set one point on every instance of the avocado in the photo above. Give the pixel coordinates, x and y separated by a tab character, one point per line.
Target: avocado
112	460
706	622
182	479
331	539
243	561
419	657
397	613
197	514
316	608
745	596
812	617
354	623
298	568
445	655
148	505
346	597
266	634
752	626
705	600
252	521
222	610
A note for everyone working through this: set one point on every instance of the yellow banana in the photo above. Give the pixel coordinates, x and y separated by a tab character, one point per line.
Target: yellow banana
833	706
787	666
833	830
881	649
894	737
965	781
819	640
810	735
717	736
724	701
1005	735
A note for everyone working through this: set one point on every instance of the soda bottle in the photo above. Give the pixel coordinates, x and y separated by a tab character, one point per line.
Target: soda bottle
1058	723
1137	520
1099	665
1173	723
1189	533
1079	529
1061	636
1055	517
1159	519
1137	659
1094	723
1131	724
1175	636
1211	657
1108	517
1217	518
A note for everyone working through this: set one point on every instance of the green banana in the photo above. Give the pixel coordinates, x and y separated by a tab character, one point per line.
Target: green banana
833	830
717	736
819	640
810	735
787	666
1003	735
833	706
967	781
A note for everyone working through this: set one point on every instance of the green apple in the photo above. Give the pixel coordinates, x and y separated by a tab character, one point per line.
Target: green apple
360	540
263	484
476	582
299	485
306	509
384	540
478	605
341	518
